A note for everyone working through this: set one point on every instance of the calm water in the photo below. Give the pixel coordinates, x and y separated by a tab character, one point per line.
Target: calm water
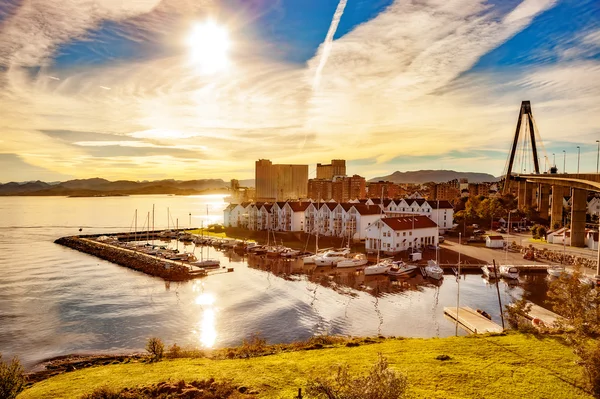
55	301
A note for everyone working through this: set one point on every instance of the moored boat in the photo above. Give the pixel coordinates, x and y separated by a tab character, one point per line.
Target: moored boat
401	269
489	272
379	268
556	271
356	261
331	258
509	272
433	270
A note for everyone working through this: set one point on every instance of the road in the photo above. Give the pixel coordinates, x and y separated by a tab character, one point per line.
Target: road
489	254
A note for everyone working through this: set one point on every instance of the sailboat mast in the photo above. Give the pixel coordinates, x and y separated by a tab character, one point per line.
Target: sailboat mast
177	237
437	231
135	228
381	225
168	218
148	228
152	224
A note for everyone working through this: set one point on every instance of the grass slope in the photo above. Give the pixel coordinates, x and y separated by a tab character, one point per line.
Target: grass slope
511	366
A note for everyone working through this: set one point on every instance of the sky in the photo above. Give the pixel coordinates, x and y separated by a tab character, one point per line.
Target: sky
192	89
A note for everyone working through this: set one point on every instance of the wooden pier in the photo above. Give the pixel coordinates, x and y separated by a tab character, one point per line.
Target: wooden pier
547	317
472	321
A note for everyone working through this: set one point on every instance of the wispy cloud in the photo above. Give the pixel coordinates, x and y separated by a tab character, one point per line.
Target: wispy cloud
326	46
396	86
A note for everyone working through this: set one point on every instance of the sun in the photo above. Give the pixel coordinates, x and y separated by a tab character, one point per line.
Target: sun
209	44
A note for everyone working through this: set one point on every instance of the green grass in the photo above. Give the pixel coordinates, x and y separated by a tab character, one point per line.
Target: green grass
511	366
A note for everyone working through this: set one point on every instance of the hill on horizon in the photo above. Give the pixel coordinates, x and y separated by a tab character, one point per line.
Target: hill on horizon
97	186
437	176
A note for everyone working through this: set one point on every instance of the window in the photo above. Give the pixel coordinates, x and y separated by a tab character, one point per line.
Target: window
404	233
410	233
397	234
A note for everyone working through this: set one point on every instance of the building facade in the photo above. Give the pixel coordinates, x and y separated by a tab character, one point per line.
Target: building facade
386	188
283	182
337	167
393	235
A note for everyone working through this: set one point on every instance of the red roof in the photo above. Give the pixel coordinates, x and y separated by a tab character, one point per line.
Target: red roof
409	223
499	238
367	209
299	206
442	204
267	207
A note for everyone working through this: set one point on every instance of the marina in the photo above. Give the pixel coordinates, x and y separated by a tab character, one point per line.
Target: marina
82	303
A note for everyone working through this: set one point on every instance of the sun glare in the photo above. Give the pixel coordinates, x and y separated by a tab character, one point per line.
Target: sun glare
209	44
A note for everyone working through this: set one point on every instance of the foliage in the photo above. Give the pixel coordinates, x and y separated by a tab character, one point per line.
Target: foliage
589	352
206	389
253	346
490	208
515	315
538	231
155	348
578	303
380	383
12	379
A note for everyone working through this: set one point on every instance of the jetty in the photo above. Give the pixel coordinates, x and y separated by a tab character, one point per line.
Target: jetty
472	321
170	270
547	317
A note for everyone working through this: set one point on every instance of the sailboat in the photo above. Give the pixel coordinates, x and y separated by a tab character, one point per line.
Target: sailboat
206	263
381	267
433	269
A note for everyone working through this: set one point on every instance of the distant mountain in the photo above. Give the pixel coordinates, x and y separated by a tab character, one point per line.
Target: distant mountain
247	183
103	187
437	176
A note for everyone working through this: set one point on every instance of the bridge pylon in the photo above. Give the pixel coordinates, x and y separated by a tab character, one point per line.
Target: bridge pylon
526	116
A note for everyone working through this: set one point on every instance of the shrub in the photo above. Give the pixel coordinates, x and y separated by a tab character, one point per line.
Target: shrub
12	380
155	348
380	383
590	360
515	315
103	393
253	346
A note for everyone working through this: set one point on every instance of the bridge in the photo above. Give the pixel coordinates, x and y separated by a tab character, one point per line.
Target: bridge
534	190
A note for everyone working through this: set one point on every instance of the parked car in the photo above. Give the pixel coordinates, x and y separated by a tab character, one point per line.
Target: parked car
479	232
441	239
501	230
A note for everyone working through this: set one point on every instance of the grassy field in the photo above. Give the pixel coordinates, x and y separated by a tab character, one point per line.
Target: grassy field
511	366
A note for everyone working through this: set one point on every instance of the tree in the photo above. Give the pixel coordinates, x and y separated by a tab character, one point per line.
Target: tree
12	378
155	348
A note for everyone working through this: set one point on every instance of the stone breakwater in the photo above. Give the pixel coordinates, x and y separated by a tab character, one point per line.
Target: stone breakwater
167	270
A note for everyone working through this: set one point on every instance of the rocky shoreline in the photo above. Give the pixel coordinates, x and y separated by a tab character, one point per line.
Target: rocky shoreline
130	259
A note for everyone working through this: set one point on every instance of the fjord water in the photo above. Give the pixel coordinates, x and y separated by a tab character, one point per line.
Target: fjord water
55	301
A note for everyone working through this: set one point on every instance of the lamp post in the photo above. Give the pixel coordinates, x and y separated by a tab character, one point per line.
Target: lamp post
597	156
553	159
564	161
578	154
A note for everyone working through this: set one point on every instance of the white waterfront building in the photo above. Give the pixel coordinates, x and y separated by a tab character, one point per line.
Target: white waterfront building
394	234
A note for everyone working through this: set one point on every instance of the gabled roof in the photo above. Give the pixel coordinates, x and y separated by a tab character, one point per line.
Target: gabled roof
496	238
245	204
443	204
299	206
346	205
386	202
267	207
409	223
363	200
331	205
367	209
281	204
420	201
230	207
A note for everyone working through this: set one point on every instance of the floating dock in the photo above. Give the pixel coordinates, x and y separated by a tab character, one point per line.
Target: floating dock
472	321
548	317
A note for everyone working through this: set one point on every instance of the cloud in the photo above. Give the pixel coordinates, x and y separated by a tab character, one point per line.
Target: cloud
396	86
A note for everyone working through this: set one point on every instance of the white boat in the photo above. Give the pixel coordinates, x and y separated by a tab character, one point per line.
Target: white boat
509	272
379	268
290	253
433	270
310	259
556	271
207	264
488	271
401	269
356	261
331	258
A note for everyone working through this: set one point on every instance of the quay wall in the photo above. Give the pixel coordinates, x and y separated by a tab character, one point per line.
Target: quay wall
130	259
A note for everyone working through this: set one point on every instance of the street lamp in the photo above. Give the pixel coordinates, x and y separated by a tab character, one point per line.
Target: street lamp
564	161
554	159
578	154
597	156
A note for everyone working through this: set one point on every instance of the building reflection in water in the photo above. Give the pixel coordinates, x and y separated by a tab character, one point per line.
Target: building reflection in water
345	281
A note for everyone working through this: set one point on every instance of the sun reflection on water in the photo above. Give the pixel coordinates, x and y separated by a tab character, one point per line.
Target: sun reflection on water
207	325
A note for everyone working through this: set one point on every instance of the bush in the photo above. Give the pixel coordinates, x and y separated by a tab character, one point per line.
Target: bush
253	346
103	393
515	315
155	348
380	383
12	380
590	360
